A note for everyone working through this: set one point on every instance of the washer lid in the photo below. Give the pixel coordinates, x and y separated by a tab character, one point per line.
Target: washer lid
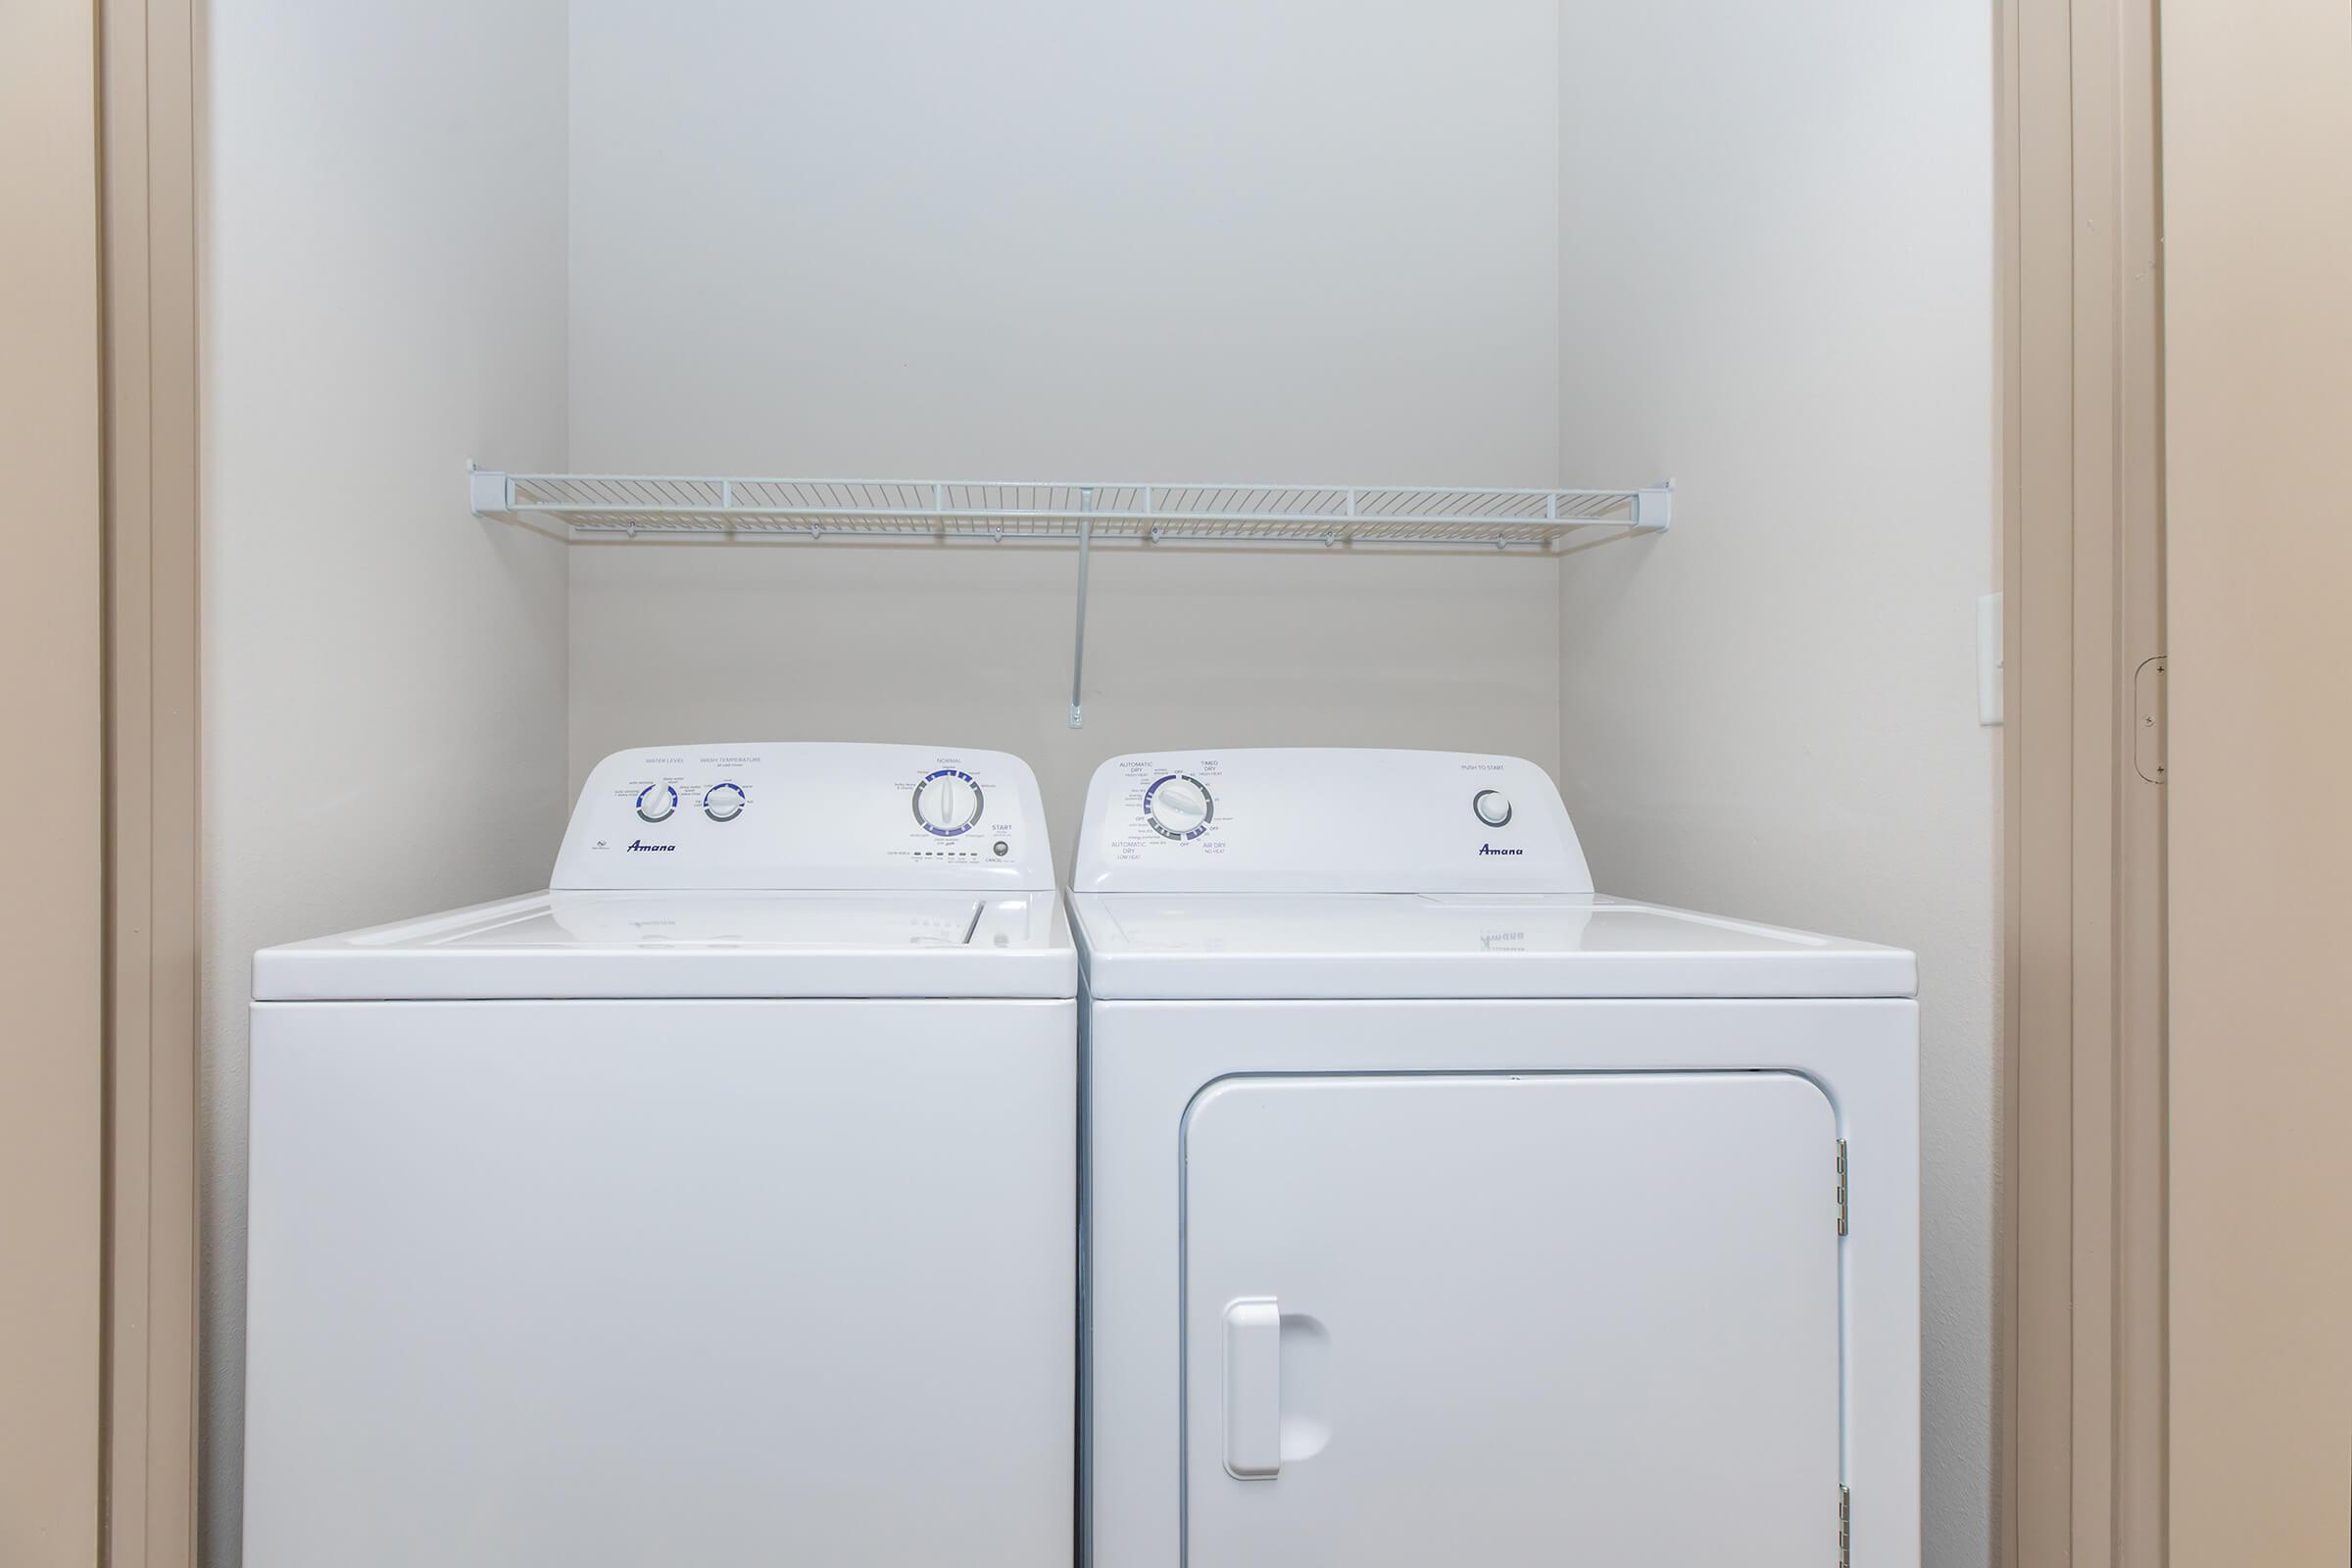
619	944
1407	945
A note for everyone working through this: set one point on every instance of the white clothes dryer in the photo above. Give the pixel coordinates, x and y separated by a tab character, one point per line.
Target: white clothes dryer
1439	1210
715	1206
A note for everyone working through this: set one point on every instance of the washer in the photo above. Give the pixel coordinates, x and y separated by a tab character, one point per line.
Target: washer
1440	1210
715	1206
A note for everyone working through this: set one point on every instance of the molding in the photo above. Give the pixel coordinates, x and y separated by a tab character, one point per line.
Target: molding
147	70
52	1086
2082	1439
2258	334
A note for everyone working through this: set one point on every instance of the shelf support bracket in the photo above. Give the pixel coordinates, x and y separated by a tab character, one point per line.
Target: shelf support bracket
1653	508
1086	538
489	491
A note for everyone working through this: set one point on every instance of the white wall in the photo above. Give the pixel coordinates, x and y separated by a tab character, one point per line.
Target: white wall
1777	285
1308	242
384	297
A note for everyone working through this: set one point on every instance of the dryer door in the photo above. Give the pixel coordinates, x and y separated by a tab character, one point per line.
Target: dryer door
1511	1319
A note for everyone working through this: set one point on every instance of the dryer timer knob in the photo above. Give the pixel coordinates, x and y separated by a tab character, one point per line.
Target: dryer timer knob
1179	807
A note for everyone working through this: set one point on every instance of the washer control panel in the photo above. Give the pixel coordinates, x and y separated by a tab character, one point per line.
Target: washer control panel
1326	820
806	815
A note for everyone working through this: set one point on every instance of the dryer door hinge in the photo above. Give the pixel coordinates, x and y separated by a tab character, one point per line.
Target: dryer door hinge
1843	1213
1845	1527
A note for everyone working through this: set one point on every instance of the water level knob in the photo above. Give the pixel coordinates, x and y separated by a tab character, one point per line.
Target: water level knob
947	803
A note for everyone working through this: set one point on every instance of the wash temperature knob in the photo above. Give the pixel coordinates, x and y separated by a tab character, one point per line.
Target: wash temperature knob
723	802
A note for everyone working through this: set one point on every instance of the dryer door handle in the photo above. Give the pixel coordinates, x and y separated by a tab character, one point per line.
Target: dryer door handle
1254	1388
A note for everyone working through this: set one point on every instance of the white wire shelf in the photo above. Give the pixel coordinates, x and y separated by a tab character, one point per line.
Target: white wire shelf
630	505
633	505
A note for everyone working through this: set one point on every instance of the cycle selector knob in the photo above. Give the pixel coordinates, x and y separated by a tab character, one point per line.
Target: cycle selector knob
947	802
723	802
1179	807
1494	808
657	803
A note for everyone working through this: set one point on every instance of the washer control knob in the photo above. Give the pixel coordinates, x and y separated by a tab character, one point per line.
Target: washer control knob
1494	808
1179	807
655	801
723	802
947	802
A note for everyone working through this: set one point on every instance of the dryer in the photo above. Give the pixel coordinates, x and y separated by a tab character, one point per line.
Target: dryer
1438	1209
716	1204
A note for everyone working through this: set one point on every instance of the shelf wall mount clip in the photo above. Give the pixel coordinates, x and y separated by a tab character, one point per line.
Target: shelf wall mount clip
1653	508
490	492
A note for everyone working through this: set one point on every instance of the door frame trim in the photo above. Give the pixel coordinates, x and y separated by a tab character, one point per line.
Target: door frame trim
2258	196
148	62
2081	1464
52	941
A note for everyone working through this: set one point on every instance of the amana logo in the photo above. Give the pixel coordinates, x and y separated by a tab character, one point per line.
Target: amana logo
1488	849
640	843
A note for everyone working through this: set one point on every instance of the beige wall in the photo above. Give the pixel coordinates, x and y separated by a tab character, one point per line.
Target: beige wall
1777	285
1312	241
50	1061
2258	380
384	297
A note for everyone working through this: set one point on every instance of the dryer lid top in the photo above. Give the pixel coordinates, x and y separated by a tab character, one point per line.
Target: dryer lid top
1382	946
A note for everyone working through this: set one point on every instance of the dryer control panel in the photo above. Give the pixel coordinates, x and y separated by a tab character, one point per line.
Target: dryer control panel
808	816
1326	820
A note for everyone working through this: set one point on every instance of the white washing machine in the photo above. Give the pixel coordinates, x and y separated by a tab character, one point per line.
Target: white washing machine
1441	1211
717	1206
